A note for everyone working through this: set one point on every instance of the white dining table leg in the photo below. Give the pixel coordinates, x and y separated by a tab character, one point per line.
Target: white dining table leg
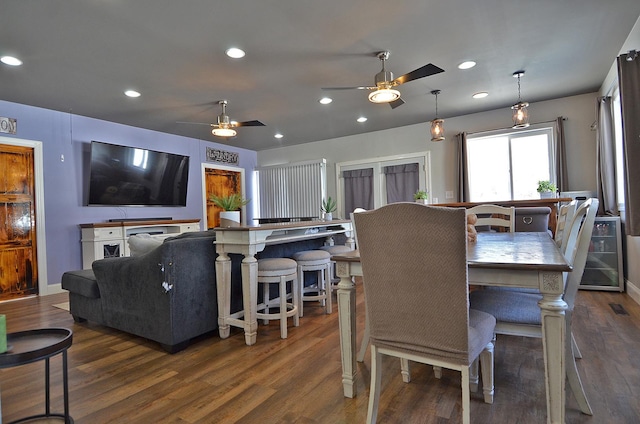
552	310
347	319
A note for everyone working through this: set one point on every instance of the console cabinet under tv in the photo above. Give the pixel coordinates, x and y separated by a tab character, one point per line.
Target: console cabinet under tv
109	239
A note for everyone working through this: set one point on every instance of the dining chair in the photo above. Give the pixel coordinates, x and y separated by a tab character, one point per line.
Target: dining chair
494	216
565	215
416	295
517	312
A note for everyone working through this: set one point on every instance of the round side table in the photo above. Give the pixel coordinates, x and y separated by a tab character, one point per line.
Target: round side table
35	345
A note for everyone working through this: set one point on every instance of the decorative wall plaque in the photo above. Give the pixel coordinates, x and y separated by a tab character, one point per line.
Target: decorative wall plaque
8	125
221	156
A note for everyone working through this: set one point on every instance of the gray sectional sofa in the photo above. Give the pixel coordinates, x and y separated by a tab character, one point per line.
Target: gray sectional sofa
167	294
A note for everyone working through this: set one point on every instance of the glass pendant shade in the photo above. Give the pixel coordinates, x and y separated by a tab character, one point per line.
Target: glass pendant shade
437	130
384	95
520	115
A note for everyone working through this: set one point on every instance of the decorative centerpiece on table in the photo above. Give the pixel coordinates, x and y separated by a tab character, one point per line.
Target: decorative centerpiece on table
546	189
328	208
422	197
230	205
472	233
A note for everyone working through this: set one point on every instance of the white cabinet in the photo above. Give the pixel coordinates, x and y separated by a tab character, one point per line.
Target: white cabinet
109	239
603	270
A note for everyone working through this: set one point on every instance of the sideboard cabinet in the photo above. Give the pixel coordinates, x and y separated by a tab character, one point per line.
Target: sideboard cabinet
109	239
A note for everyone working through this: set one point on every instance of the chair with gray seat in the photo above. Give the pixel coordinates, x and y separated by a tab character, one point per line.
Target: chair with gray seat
416	295
517	312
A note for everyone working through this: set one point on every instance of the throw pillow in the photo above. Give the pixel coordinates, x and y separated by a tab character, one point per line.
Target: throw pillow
139	244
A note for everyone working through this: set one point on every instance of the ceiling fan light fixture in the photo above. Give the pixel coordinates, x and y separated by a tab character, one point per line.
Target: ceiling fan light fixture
520	114
224	132
384	95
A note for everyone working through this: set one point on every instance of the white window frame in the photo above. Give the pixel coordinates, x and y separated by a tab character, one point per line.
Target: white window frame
549	128
379	187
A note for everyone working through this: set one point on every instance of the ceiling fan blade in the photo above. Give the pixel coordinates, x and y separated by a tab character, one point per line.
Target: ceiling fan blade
398	102
425	71
250	124
349	88
195	123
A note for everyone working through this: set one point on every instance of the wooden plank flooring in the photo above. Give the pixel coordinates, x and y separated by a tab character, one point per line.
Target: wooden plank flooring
116	377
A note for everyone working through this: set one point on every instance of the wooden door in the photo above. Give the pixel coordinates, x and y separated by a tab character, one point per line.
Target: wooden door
18	266
220	182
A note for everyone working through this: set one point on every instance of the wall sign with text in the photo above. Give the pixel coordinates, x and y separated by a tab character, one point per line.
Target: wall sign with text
221	156
8	125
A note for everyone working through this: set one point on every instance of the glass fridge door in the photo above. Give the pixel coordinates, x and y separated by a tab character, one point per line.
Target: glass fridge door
603	270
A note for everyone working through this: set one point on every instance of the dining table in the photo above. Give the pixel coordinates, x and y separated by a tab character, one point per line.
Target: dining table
518	259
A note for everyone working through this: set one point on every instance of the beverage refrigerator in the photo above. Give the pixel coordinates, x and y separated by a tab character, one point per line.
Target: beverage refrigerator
603	270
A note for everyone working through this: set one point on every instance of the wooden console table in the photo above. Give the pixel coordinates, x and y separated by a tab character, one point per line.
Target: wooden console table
248	241
551	203
109	239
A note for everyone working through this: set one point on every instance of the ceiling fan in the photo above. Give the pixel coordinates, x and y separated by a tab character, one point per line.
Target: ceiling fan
226	127
383	91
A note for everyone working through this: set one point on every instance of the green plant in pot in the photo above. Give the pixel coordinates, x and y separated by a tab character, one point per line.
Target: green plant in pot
230	205
328	207
421	196
546	189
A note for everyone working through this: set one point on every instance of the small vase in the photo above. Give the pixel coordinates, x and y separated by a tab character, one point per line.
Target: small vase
328	216
230	218
423	201
547	195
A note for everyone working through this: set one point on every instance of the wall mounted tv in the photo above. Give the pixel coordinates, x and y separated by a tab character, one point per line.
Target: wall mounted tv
130	176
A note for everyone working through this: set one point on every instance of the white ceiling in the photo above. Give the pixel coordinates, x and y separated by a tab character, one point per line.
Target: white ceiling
80	55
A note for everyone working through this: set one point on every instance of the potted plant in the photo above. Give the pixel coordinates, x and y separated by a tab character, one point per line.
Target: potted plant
230	205
328	207
421	196
546	189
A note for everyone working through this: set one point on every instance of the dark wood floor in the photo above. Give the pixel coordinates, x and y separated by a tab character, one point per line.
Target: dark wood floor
115	377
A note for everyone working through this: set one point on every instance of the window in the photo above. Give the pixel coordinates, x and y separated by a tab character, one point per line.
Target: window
372	183
507	165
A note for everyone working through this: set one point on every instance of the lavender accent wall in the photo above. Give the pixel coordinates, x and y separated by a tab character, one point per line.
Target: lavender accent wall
69	135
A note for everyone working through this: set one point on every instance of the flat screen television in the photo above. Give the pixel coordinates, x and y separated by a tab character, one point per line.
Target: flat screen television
130	176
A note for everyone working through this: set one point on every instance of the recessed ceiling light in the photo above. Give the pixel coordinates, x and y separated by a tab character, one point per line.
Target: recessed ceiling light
480	95
362	119
132	93
325	100
467	65
235	53
10	60
278	135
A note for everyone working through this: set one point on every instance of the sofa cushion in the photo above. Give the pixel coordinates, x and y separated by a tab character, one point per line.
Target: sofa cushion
82	282
139	244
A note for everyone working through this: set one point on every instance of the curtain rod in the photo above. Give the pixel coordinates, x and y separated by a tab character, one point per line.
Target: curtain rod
502	129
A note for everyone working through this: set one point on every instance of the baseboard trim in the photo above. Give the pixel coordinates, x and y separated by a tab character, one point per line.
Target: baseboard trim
53	289
633	291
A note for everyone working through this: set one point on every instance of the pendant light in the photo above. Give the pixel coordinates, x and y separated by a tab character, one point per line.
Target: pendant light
520	112
437	125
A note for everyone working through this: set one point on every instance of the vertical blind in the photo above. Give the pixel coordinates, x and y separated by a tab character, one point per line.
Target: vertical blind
293	190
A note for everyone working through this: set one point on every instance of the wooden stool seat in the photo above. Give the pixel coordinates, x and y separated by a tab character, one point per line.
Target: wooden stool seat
319	261
278	271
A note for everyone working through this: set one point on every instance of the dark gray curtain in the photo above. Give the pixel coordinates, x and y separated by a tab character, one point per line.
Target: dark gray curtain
463	171
402	182
358	189
605	158
629	80
562	178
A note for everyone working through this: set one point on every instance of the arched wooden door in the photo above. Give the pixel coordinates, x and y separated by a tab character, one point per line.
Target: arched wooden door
18	263
220	181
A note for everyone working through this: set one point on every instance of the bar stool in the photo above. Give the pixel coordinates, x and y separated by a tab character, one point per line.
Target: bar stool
319	261
279	271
